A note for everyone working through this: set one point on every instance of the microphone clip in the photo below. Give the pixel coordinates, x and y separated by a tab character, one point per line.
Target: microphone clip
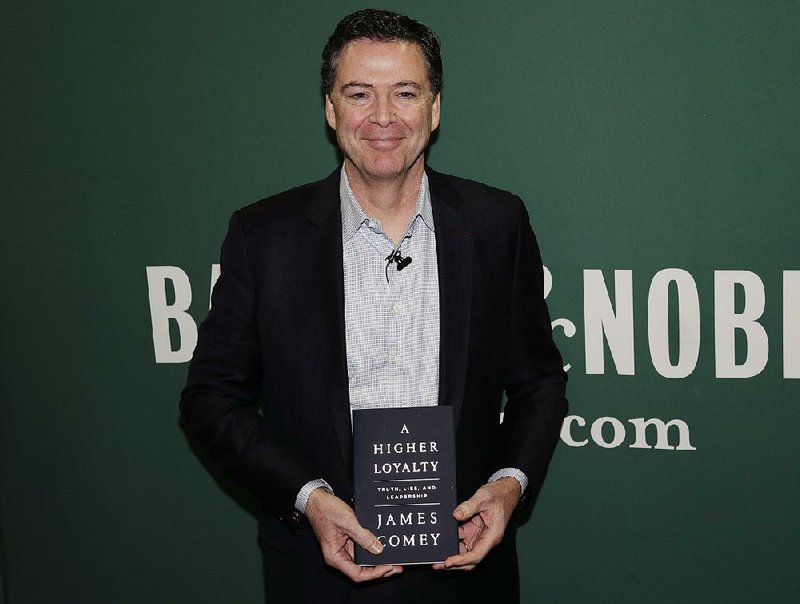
400	261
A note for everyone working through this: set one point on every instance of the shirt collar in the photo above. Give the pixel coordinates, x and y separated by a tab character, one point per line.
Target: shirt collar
353	215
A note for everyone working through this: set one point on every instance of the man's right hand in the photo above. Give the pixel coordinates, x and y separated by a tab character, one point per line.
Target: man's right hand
336	527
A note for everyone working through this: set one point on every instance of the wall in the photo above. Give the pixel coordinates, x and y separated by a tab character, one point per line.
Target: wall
656	146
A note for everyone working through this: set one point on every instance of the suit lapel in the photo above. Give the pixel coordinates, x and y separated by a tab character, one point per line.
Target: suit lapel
454	259
328	280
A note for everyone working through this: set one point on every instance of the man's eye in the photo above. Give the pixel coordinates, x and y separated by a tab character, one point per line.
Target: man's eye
358	96
407	95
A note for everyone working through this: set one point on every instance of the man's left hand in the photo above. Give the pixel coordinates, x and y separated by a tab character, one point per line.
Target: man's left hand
482	522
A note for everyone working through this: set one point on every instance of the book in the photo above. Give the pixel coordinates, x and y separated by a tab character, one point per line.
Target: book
404	467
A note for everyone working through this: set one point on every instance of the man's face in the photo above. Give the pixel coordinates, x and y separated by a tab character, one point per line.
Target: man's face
382	107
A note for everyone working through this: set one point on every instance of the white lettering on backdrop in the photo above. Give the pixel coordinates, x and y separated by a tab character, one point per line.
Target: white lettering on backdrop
741	342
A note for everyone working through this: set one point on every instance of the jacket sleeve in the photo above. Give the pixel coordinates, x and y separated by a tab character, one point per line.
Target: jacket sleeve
535	382
219	405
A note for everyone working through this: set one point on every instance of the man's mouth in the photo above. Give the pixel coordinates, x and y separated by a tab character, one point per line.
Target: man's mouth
384	142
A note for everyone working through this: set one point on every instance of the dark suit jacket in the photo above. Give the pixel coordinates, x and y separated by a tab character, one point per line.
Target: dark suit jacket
275	336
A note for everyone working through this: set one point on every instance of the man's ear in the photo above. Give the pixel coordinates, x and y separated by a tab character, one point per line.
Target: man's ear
436	109
330	114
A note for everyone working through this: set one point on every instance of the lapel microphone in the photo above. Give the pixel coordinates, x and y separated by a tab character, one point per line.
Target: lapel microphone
398	258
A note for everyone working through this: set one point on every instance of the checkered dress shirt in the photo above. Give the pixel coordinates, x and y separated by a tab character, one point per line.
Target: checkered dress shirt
391	316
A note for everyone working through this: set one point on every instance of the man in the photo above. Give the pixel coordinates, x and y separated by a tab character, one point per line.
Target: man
386	284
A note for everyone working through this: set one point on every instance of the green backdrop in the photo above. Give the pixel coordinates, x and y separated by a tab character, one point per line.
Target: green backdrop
643	135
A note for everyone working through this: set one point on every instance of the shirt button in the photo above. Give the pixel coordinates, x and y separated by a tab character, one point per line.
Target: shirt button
397	309
398	358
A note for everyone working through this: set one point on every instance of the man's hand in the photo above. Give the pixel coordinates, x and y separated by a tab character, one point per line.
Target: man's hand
482	522
336	529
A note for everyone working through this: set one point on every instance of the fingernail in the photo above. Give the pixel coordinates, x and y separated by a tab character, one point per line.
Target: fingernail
377	547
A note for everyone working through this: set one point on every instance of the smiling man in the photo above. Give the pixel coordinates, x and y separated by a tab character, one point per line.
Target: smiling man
386	284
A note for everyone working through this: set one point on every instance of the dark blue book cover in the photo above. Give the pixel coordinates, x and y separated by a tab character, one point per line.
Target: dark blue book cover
404	466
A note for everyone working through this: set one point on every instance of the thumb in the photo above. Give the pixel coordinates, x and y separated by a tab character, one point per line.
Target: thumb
364	538
465	510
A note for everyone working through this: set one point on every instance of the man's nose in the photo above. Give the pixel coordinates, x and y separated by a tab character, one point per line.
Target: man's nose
383	113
